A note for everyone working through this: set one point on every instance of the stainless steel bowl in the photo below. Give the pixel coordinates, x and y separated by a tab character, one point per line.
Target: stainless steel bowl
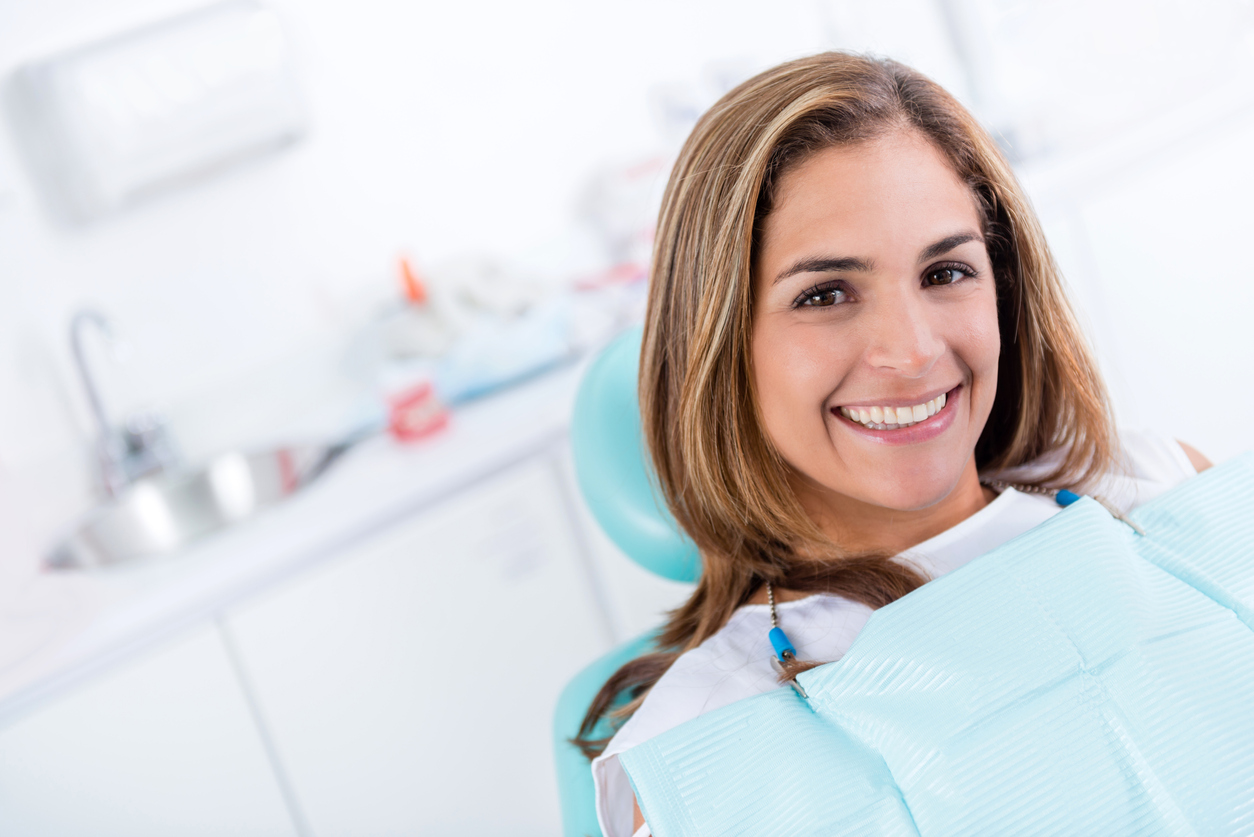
160	514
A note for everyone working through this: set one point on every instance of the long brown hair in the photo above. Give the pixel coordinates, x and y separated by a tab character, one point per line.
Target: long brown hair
721	477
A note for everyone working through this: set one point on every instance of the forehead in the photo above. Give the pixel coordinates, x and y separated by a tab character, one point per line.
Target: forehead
894	192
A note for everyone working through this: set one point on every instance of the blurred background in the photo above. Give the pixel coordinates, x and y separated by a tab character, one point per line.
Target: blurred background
253	243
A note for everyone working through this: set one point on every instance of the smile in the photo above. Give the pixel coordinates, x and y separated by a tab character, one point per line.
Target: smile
894	418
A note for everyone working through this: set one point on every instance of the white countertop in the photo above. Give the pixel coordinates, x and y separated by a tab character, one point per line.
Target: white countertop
58	627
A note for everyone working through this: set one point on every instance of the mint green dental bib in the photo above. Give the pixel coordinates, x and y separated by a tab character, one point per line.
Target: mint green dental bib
1080	679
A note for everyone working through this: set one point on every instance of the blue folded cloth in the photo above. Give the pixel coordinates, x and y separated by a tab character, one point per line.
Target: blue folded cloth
1080	679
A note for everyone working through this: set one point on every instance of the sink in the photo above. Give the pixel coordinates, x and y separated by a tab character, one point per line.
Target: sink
160	514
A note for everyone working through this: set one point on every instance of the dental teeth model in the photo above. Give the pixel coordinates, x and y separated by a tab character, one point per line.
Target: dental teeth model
893	418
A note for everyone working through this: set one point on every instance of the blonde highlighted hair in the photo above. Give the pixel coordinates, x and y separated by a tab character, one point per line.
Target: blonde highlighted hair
721	477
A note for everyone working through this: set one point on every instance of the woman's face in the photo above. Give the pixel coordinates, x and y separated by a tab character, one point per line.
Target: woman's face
875	339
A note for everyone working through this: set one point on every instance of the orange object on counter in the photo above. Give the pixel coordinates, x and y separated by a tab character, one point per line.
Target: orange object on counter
411	283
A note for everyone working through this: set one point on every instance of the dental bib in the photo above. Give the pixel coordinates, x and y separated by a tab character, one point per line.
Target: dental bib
1080	679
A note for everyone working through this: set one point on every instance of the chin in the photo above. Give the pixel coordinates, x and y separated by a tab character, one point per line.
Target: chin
914	501
909	489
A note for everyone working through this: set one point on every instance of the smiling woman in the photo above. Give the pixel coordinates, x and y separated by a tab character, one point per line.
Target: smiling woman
854	331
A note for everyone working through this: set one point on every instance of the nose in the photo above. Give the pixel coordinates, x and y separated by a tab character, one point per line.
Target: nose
903	335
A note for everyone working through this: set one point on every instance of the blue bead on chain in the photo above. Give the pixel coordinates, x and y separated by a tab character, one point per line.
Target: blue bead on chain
1065	498
783	646
784	650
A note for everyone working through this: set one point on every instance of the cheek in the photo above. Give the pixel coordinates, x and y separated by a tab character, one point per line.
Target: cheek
795	370
978	343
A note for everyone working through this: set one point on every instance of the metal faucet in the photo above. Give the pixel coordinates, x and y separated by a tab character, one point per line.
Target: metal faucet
141	446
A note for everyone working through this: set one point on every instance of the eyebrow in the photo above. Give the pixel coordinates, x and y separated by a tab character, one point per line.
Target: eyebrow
825	266
948	243
851	263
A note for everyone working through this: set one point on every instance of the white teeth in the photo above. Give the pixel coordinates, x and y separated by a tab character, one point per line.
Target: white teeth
892	418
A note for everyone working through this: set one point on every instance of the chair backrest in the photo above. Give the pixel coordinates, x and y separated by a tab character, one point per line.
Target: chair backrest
574	775
620	489
613	468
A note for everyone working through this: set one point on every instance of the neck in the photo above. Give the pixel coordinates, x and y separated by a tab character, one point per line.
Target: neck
862	527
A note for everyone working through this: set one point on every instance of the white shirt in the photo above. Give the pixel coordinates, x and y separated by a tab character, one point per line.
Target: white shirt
735	662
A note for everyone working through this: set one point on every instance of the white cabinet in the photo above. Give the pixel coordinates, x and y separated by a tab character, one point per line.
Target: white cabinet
409	685
163	746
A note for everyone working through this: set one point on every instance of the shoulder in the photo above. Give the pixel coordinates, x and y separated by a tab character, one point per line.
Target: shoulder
1150	455
1196	457
1149	464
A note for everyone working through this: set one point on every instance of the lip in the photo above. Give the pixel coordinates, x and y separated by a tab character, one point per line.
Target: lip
924	431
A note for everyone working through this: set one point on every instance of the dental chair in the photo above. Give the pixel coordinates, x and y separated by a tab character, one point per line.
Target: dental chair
619	488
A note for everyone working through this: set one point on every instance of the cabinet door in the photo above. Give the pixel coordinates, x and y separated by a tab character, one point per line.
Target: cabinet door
162	746
409	685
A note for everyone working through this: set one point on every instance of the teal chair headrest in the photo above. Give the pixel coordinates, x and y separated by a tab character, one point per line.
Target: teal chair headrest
613	469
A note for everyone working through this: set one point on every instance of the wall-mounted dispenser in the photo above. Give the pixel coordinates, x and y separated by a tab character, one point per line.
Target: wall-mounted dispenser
112	122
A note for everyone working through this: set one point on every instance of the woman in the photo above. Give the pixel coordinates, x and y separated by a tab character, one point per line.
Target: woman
853	321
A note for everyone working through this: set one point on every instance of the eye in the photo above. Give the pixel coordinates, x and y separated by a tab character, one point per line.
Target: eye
821	296
947	274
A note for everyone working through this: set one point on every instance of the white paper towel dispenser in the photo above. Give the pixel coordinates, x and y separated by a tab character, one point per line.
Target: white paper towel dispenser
110	123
